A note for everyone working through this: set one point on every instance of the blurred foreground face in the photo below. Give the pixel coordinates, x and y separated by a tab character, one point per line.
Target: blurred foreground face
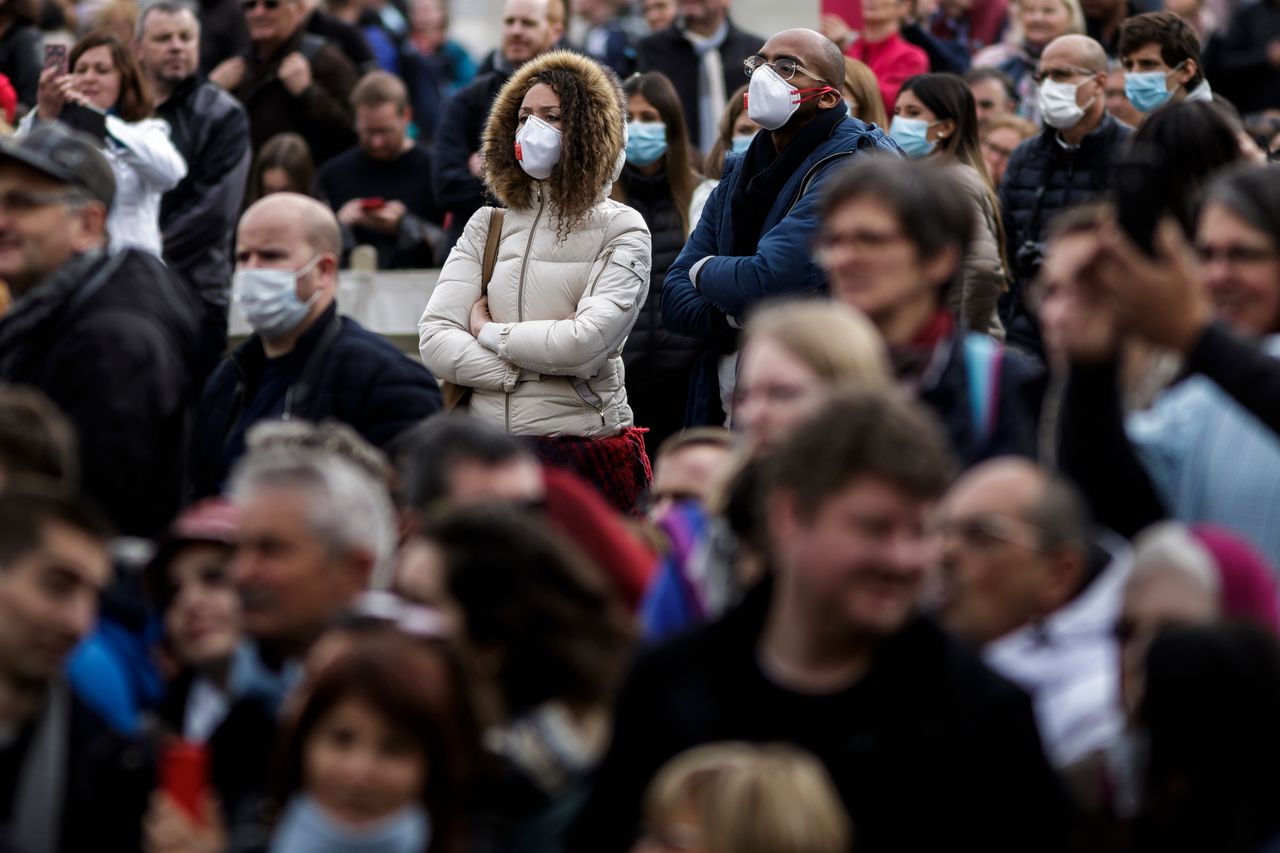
1241	268
359	768
48	602
995	577
775	392
871	264
858	563
203	620
687	474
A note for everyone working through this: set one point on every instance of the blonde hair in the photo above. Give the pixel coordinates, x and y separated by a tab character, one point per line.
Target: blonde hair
1075	25
835	341
754	798
1010	122
860	81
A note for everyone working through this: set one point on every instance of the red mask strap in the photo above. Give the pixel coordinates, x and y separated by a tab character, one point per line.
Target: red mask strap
816	92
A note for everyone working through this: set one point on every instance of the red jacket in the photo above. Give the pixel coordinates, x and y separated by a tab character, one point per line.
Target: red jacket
893	61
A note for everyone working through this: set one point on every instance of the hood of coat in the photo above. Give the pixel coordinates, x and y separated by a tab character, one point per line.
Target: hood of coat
593	143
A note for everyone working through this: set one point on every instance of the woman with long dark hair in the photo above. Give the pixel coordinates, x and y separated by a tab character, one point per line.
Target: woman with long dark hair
935	116
107	86
657	181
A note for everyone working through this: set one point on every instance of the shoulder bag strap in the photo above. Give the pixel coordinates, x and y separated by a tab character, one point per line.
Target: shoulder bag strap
496	217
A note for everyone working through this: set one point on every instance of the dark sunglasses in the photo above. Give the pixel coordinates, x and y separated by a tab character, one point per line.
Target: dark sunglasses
269	5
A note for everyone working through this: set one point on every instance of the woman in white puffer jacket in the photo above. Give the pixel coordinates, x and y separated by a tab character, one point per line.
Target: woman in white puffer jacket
542	353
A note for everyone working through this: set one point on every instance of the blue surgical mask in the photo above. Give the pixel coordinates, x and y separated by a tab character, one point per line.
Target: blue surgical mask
646	142
1147	90
306	828
912	136
741	142
269	299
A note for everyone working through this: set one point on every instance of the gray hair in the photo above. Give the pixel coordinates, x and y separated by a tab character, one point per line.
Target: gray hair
348	508
1169	548
167	7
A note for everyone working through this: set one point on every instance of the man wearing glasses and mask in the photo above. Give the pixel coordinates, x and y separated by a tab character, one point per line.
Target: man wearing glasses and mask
754	239
1068	164
290	80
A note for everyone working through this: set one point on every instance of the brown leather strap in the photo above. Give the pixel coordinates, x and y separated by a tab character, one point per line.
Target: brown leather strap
496	215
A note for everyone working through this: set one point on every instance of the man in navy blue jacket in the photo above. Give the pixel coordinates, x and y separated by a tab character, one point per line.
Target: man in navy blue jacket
304	360
754	239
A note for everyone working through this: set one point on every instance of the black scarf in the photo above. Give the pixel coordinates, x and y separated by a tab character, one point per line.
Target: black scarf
765	171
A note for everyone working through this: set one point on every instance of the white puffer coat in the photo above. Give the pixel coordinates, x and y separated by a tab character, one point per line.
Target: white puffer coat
564	308
563	299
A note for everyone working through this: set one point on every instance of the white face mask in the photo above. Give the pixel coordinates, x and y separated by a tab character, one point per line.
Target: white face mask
537	148
1058	104
269	299
771	101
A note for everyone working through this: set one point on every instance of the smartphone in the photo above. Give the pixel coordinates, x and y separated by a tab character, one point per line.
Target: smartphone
184	774
86	120
1141	183
55	56
372	203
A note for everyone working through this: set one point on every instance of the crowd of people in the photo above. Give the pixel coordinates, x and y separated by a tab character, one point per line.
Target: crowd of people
861	438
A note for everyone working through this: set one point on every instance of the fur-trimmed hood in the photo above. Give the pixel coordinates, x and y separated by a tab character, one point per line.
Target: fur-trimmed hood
593	141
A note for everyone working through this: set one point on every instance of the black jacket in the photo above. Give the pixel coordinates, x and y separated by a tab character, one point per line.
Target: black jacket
671	53
929	751
321	114
1016	400
198	216
223	33
112	341
106	782
457	138
21	60
1043	179
659	363
1236	58
347	37
350	374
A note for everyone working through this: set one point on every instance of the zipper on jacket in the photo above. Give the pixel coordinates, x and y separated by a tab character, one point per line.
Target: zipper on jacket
808	176
524	266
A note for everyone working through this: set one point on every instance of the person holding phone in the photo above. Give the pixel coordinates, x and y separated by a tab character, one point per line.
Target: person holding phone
104	95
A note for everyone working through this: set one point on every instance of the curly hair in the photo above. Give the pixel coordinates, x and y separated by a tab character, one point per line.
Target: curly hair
592	136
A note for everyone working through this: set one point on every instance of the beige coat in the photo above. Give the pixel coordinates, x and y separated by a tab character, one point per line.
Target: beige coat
983	275
564	310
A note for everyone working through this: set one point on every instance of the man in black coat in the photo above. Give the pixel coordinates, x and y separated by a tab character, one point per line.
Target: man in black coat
303	360
704	62
1068	164
211	131
290	80
928	749
529	27
110	338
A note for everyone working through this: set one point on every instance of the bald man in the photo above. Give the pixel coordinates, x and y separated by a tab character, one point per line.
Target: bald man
1068	164
303	360
754	240
1022	575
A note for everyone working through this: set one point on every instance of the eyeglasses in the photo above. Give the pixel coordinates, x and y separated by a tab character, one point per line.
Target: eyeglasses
1235	256
785	67
861	240
1002	153
1061	75
987	531
269	5
21	201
